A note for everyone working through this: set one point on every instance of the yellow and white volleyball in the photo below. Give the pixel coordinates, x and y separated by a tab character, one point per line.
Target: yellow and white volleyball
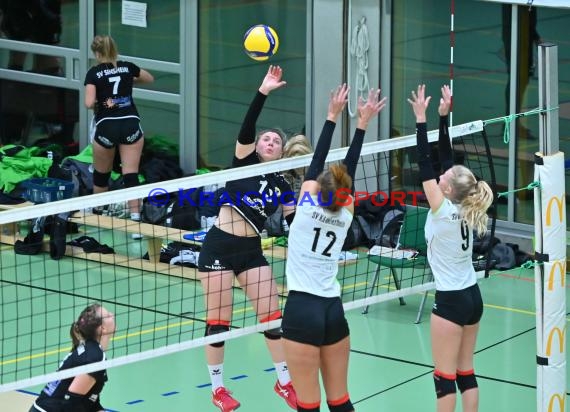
260	42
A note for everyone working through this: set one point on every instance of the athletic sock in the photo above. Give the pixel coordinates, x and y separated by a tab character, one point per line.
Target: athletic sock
282	373
216	376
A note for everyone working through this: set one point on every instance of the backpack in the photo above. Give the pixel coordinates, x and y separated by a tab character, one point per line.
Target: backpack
276	225
81	176
380	225
171	212
354	236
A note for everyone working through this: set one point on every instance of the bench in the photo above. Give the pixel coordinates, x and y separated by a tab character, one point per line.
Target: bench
10	229
154	235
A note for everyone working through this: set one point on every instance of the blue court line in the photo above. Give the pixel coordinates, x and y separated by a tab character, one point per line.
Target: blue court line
135	402
28	392
235	378
170	393
269	370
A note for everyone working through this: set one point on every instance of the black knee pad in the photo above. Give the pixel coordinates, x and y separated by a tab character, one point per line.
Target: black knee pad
101	179
214	330
273	334
466	380
131	179
345	406
443	386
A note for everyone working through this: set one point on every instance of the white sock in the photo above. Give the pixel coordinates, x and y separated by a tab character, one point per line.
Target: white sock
216	376
282	373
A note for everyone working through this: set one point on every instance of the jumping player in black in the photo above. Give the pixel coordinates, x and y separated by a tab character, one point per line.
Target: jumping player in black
90	334
320	342
232	247
108	91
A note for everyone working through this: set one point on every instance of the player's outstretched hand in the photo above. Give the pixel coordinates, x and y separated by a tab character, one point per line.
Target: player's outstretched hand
337	101
419	103
370	108
444	101
272	80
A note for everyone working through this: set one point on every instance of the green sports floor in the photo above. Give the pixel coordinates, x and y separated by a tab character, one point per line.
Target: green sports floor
390	365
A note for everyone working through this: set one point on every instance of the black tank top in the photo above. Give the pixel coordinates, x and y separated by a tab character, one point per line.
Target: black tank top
84	354
256	197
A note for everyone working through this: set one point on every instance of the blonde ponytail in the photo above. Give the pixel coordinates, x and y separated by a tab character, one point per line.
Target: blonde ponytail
475	197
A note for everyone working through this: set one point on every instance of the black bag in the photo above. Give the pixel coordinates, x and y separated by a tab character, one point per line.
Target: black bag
355	236
81	176
172	250
274	224
481	245
160	167
171	212
380	224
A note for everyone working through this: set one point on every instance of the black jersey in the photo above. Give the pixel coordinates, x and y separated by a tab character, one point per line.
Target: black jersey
84	354
114	88
256	197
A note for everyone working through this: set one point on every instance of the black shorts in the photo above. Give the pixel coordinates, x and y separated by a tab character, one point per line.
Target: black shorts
223	251
314	320
464	307
112	132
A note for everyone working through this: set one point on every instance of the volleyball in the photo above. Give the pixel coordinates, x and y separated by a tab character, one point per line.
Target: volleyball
260	42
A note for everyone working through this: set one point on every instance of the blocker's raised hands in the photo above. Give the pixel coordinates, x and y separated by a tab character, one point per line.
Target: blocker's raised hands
444	101
337	102
370	108
419	103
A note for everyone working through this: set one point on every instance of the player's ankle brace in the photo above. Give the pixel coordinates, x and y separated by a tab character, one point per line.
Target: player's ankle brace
444	384
308	407
341	405
466	380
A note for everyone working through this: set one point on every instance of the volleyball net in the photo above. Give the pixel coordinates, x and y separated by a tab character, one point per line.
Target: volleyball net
58	257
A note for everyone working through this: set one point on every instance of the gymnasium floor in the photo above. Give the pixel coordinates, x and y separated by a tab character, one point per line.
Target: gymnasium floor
390	366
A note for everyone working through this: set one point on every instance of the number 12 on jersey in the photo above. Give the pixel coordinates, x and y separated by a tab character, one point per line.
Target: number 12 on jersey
330	234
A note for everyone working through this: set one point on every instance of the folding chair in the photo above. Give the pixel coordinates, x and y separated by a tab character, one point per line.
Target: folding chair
412	237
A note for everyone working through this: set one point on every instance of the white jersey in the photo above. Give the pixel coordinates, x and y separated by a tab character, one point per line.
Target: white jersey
316	237
450	248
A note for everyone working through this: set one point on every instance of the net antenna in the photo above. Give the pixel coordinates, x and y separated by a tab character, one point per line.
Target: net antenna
359	45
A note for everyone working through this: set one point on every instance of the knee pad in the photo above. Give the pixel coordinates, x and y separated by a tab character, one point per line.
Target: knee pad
444	384
214	329
131	179
341	405
101	179
275	333
466	380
